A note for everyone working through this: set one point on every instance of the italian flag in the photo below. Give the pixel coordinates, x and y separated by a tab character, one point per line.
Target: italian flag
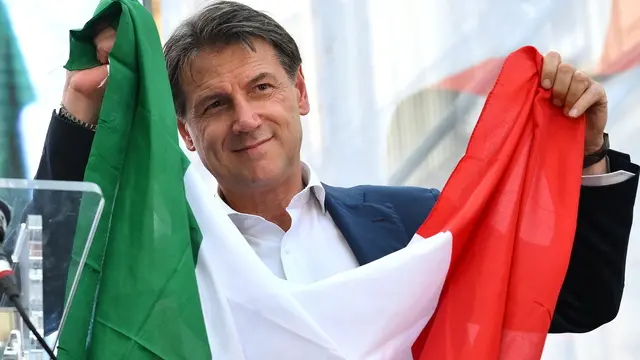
169	277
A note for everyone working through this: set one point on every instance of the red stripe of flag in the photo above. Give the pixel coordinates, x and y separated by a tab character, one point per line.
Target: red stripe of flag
509	209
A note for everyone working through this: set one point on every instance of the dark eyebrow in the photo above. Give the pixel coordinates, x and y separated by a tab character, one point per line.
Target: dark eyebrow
260	77
208	99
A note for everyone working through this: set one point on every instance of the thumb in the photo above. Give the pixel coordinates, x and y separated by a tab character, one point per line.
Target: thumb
106	77
98	75
89	81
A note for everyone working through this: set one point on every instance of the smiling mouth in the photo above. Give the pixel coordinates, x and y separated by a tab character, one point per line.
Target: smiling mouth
253	146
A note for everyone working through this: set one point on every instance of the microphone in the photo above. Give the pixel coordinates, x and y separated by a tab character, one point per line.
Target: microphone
5	218
8	286
7	280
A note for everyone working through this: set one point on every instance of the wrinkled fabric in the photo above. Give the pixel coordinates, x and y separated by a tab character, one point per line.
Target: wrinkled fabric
512	205
137	296
372	312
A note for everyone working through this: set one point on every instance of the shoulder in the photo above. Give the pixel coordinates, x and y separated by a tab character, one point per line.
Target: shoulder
386	194
411	204
401	194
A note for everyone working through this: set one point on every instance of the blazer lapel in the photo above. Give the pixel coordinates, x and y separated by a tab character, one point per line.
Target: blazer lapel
371	230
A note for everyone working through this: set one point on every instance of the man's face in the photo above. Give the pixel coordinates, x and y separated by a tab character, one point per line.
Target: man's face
243	115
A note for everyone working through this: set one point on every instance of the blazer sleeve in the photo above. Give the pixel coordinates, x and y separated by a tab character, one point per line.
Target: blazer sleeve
66	151
592	290
64	157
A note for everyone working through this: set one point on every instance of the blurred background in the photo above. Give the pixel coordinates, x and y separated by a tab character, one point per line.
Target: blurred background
395	88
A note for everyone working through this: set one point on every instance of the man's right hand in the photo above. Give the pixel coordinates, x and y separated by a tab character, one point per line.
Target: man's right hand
83	93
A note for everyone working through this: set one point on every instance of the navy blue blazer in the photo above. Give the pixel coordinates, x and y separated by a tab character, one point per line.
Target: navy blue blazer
378	220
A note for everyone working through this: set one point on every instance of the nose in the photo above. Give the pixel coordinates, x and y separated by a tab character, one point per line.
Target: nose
247	119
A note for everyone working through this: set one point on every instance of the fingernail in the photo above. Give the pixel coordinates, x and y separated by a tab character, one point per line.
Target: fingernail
557	102
546	83
573	113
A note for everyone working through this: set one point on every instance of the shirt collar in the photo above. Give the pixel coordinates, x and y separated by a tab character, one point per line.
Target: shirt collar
309	178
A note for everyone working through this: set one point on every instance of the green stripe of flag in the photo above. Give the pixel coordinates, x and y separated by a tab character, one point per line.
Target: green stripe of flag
141	267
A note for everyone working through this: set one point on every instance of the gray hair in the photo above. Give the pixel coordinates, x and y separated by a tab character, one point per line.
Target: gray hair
219	24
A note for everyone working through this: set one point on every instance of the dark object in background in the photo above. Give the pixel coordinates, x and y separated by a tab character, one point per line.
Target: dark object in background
15	93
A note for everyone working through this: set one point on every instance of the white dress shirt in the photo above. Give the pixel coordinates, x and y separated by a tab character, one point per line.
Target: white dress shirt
314	248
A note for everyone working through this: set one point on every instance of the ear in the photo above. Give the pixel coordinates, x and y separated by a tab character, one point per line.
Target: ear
184	133
303	96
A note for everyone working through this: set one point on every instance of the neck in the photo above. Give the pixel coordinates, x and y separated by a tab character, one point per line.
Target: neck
268	202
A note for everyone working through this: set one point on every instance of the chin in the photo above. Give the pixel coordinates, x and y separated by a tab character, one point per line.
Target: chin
265	175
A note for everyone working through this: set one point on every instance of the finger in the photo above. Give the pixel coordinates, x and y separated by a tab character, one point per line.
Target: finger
579	84
595	94
550	65
562	83
107	34
104	44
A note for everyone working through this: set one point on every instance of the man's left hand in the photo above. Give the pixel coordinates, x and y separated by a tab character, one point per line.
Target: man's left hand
577	93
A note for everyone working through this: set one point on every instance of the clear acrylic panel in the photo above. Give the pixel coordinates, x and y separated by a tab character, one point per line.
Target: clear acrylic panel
48	237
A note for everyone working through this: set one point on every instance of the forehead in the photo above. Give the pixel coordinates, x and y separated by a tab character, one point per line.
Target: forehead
231	63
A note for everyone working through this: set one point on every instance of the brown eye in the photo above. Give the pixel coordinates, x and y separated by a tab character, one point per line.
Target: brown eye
263	87
215	104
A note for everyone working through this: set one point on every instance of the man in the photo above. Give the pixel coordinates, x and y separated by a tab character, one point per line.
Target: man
239	92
